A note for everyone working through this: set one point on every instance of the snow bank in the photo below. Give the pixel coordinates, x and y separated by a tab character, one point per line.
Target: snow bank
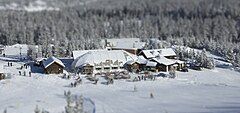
215	91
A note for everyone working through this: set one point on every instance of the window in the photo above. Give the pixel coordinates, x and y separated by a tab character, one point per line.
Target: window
98	68
114	67
106	68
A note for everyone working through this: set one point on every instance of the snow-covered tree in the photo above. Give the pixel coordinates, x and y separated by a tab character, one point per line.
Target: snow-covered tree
230	55
172	72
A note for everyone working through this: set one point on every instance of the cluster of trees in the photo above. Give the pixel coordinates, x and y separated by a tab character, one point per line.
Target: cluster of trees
210	24
195	57
74	104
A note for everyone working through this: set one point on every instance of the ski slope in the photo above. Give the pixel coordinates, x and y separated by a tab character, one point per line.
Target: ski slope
212	91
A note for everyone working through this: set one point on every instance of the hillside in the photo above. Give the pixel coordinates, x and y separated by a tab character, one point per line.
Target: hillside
212	91
77	24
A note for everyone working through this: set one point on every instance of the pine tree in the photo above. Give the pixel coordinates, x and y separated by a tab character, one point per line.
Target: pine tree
230	55
172	72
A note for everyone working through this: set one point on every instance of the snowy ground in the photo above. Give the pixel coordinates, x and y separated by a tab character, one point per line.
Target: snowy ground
208	91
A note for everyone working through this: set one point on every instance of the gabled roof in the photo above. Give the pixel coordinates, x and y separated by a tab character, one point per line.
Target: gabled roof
40	59
137	59
141	60
149	53
167	52
52	60
96	57
163	60
114	41
129	45
79	53
158	52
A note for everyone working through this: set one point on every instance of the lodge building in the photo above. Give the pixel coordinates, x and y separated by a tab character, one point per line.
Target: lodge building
52	65
101	61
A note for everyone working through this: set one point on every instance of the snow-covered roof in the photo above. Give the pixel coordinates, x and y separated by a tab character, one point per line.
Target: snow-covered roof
151	64
79	53
167	52
125	43
179	61
129	45
16	49
116	40
40	59
163	60
141	60
96	57
138	59
51	60
130	62
159	52
149	53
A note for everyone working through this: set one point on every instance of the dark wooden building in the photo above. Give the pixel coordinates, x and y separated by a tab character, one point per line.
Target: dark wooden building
53	66
133	67
2	76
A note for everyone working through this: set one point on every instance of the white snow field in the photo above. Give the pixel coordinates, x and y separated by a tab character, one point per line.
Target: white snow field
207	91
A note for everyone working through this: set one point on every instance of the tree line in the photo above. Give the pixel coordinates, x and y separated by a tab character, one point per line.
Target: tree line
210	24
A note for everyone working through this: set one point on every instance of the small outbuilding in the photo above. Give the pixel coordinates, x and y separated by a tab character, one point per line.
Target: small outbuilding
53	66
137	65
163	64
180	65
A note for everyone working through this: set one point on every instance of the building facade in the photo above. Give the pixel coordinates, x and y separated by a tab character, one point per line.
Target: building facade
53	66
101	61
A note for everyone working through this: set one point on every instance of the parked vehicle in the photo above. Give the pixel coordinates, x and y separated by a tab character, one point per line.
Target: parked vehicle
161	75
165	75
